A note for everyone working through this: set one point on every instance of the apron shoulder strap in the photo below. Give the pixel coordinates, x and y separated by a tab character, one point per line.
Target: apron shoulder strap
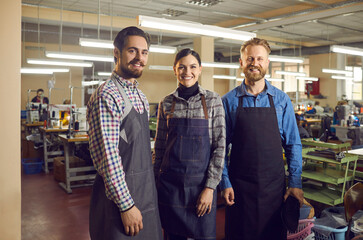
272	105
128	104
204	107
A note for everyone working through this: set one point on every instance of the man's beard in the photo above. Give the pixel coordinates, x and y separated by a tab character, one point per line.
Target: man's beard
127	73
254	77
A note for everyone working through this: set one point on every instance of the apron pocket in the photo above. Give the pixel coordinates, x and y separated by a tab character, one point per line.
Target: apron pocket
190	148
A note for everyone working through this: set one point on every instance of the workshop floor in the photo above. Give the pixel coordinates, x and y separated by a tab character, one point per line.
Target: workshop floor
48	213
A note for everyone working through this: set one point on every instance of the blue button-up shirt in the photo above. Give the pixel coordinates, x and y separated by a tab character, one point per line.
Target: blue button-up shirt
289	132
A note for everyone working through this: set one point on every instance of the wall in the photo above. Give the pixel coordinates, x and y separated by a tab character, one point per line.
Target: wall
10	189
328	86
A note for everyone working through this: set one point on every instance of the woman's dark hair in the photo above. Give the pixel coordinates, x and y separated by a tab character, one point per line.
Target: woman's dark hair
121	38
185	52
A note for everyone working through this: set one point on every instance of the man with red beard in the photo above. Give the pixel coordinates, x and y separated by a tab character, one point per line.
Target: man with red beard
124	199
260	121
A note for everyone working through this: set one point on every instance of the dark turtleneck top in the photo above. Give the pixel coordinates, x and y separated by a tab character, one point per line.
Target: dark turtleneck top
187	92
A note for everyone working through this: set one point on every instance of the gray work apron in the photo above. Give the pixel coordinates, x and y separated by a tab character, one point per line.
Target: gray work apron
135	152
183	176
257	175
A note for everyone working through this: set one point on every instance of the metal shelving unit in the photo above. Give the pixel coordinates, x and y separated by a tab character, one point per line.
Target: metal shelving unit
325	179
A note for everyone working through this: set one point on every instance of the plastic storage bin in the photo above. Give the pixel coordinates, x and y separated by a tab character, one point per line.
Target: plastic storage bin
335	233
303	230
32	165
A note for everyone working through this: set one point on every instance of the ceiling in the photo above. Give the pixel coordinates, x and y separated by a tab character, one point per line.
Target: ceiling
293	27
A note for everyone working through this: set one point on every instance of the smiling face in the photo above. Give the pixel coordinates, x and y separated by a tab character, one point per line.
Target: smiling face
187	70
130	62
254	62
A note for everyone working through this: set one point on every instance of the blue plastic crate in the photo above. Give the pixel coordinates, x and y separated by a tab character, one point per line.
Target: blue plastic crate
335	233
32	165
23	114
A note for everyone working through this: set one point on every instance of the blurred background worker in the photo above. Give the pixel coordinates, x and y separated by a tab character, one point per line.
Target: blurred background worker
39	98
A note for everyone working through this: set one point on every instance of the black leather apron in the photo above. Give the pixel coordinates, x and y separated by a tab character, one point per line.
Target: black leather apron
257	175
135	152
183	176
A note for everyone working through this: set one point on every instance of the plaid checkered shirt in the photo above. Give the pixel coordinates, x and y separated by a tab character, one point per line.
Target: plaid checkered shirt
104	113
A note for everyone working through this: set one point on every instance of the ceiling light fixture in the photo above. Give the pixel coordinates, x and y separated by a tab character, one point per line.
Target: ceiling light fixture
106	74
336	71
220	65
59	63
91	83
308	78
160	67
204	3
224	77
347	50
42	70
342	77
79	56
275	58
98	43
275	79
299	74
193	28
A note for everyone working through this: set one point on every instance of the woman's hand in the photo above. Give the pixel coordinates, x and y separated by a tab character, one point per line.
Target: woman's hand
204	203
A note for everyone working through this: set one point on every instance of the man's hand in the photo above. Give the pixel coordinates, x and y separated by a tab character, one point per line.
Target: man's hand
228	195
296	193
204	203
132	221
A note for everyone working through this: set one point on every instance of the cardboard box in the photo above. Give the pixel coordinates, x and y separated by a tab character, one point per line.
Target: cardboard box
60	169
28	150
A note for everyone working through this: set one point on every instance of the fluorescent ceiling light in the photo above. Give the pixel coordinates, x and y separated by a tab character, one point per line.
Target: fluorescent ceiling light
79	56
193	28
162	49
220	65
347	50
98	43
300	74
104	74
43	70
275	79
342	77
160	67
91	83
336	71
308	78
59	63
224	77
275	58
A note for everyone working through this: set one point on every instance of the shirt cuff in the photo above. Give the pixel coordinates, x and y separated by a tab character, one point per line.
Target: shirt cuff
212	183
225	183
127	208
295	182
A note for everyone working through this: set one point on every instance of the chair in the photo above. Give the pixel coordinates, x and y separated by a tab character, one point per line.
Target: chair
353	201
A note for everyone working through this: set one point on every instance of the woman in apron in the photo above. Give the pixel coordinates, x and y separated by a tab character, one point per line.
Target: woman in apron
189	154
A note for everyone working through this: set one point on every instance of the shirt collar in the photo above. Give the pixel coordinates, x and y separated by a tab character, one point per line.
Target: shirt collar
242	91
124	82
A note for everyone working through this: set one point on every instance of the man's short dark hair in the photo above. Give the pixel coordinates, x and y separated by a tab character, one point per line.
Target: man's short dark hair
40	90
121	38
